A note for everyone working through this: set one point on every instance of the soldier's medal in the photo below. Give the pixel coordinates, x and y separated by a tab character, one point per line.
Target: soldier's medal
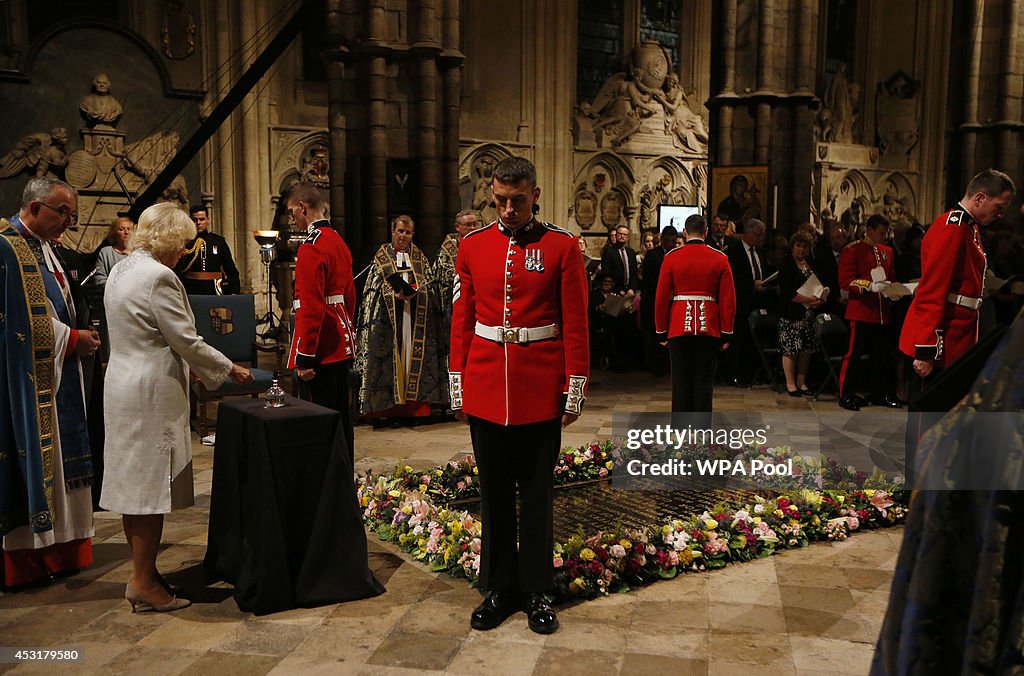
535	260
215	249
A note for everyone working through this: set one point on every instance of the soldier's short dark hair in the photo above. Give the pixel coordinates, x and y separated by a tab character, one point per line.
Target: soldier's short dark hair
195	209
512	170
306	192
876	221
991	182
695	225
670	231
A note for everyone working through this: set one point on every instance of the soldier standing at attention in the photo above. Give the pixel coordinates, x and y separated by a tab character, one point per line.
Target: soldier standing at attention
323	344
206	268
695	308
519	365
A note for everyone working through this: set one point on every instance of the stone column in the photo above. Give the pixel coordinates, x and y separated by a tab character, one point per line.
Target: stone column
223	145
248	155
375	47
727	96
338	145
451	63
805	30
971	127
425	50
1010	123
549	108
763	117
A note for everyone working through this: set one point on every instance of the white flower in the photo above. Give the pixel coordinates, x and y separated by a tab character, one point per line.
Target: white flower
758	508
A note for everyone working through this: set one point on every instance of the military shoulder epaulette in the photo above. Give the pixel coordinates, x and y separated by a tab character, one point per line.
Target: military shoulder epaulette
955	217
555	228
311	237
477	231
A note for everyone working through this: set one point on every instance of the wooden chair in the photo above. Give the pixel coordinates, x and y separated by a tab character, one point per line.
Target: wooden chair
228	323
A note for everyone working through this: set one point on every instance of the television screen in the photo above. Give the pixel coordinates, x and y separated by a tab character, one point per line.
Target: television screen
675	215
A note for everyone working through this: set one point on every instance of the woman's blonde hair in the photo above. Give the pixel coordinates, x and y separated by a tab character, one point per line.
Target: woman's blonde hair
163	229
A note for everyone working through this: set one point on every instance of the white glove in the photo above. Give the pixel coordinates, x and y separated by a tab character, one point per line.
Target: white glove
878	287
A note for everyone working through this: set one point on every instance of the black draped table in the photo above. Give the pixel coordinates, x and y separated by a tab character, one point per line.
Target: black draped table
285	525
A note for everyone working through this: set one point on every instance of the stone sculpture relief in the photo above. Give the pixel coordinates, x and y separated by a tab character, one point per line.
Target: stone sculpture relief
483	168
178	29
647	92
897	109
837	119
687	127
42	154
100	109
316	167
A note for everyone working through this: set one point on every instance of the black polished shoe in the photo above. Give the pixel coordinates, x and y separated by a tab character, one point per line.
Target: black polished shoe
540	615
860	401
849	404
495	609
736	382
794	393
888	401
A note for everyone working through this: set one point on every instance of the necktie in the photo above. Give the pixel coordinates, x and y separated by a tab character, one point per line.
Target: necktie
753	262
625	266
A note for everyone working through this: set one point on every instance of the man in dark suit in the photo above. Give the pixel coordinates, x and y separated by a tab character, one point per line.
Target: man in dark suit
717	239
748	271
657	356
619	261
826	266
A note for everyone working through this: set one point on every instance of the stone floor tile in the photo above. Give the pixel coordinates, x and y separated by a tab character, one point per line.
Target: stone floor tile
672	640
416	651
768	648
262	637
231	664
736	617
189	632
642	664
481	656
436	618
151	661
824	654
580	662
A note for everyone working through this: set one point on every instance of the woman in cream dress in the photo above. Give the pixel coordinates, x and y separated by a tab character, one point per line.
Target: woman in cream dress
153	348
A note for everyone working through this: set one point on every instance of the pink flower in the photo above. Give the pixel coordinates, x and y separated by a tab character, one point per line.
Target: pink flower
558	562
618	551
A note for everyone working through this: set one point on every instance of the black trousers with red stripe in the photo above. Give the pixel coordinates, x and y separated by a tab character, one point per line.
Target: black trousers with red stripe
879	343
507	457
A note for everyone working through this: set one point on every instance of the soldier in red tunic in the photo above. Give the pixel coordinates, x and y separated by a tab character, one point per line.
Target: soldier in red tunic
324	342
519	366
695	308
865	270
942	322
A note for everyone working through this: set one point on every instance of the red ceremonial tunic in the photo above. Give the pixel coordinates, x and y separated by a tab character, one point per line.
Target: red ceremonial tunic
531	278
952	264
326	297
855	265
696	294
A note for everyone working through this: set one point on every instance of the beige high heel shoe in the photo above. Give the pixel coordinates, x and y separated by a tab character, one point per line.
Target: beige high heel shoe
139	604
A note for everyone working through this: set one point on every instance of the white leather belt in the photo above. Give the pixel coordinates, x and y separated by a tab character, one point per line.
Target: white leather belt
501	334
693	296
964	301
336	299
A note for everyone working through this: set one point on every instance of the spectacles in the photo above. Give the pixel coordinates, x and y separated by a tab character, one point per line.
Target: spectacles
64	211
